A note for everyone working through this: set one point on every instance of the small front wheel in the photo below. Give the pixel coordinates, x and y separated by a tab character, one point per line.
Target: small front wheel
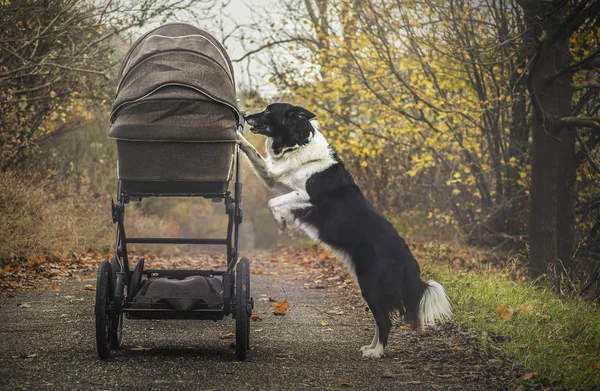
243	309
103	321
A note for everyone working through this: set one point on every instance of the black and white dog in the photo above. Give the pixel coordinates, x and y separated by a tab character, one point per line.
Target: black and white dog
319	196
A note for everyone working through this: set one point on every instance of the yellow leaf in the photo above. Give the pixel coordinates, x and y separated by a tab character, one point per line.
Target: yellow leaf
527	309
52	94
505	312
227	336
281	307
324	323
138	348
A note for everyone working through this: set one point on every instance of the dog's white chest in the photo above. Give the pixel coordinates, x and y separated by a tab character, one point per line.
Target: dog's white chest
295	167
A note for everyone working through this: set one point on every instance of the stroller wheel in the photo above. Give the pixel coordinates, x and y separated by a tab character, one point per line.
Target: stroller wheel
116	320
243	309
103	289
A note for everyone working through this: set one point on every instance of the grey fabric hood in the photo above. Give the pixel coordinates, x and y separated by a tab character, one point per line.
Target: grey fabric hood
174	64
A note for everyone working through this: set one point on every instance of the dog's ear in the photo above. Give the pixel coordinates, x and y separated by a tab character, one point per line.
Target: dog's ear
301	113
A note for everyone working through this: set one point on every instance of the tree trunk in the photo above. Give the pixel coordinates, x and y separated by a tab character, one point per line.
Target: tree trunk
565	216
551	100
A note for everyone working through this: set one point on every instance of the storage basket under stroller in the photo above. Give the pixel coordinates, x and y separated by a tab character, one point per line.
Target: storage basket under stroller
174	119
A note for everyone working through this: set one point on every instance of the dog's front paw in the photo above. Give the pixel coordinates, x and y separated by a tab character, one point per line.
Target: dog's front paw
376	352
281	224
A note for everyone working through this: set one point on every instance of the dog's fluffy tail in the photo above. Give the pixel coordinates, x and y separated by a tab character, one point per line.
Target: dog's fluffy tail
434	305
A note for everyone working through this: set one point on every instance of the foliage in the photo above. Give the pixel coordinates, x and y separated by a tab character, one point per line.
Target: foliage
431	105
57	61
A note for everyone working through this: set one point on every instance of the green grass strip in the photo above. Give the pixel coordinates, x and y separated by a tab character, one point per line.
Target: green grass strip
555	336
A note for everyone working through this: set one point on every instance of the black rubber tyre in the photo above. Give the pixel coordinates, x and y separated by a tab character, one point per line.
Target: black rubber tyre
136	280
103	289
243	309
115	321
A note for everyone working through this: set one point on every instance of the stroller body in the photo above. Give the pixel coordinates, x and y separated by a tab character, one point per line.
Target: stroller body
174	121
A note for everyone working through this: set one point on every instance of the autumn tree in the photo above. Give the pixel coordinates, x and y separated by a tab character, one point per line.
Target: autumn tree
431	103
557	54
57	59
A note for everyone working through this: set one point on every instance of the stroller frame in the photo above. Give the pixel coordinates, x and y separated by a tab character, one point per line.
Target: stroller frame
114	276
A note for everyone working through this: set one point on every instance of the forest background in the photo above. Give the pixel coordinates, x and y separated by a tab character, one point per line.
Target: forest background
473	121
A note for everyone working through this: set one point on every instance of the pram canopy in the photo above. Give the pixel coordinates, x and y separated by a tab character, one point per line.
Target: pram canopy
175	113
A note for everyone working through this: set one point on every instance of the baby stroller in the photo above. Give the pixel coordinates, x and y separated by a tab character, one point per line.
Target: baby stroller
174	120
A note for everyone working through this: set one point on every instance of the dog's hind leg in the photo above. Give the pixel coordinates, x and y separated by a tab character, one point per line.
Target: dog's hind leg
383	324
374	342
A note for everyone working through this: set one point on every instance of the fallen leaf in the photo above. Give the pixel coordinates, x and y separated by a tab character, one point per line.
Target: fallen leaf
140	348
526	309
281	307
25	355
390	375
324	323
24	305
255	318
505	312
227	336
88	288
55	287
347	384
527	376
76	333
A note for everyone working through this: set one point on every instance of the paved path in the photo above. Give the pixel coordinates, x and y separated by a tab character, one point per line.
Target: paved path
48	343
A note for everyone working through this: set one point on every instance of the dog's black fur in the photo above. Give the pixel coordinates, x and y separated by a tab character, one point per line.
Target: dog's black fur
345	220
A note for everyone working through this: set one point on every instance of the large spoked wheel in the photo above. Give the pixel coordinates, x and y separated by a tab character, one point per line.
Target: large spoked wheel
103	293
243	309
115	327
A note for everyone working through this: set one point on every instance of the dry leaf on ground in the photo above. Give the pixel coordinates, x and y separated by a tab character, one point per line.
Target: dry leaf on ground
140	348
526	309
24	305
255	318
55	287
281	307
527	376
324	323
227	336
505	312
88	288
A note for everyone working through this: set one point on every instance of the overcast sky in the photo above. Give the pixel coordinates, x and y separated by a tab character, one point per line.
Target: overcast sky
220	23
238	12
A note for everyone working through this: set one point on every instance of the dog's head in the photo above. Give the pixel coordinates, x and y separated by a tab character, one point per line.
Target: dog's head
286	124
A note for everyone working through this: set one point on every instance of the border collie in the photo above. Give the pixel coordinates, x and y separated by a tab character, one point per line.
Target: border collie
319	197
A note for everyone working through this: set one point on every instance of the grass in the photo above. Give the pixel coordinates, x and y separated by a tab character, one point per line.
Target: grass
42	217
555	336
36	218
